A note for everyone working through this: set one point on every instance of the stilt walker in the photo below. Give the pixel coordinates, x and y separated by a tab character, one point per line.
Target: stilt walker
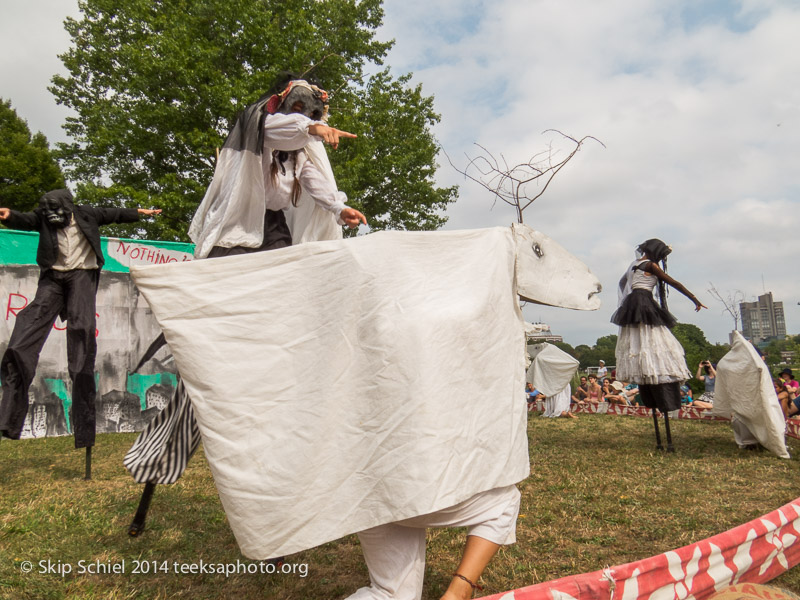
296	201
647	353
70	259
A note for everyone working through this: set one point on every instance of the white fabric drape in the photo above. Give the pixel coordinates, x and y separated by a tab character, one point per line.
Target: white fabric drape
346	384
744	392
557	404
551	370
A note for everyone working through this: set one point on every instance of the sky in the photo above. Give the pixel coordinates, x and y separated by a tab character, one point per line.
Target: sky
696	103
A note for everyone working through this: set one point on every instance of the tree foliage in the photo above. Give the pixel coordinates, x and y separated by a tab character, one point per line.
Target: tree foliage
775	347
27	167
157	86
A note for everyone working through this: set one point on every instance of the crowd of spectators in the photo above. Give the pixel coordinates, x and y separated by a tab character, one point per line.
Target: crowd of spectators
594	389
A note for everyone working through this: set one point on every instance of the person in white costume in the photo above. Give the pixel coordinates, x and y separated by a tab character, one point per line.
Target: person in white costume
272	187
272	158
647	353
395	553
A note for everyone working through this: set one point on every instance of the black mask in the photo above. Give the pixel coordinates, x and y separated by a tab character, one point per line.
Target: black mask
302	100
57	207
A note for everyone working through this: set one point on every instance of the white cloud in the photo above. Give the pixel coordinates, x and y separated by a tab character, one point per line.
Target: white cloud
699	112
700	122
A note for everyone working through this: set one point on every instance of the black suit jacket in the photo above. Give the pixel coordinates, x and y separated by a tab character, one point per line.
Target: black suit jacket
87	218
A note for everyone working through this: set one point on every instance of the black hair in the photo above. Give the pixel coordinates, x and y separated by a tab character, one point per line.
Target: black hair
657	251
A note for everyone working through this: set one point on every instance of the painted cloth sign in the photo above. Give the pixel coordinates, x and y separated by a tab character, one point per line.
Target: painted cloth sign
755	552
125	327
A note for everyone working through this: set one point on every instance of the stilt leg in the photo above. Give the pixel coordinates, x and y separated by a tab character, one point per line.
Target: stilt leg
670	447
658	433
137	525
88	474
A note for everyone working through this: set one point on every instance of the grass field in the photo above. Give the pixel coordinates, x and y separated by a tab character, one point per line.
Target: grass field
598	495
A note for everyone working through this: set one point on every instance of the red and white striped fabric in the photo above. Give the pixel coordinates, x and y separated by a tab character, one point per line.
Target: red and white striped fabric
755	552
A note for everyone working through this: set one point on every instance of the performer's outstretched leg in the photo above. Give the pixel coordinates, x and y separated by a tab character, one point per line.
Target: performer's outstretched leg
80	288
137	525
162	450
34	323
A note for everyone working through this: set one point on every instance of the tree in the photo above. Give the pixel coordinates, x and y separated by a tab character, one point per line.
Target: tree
732	303
383	173
696	347
27	168
157	86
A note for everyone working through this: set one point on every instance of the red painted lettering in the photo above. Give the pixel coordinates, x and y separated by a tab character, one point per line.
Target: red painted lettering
57	328
151	256
123	247
13	310
96	331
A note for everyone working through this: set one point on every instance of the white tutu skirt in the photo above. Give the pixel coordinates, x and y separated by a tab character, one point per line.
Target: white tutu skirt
650	354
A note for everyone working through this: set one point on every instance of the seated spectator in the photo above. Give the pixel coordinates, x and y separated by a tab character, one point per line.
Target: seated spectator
616	393
686	396
788	379
787	396
533	395
706	374
632	393
581	392
701	402
595	391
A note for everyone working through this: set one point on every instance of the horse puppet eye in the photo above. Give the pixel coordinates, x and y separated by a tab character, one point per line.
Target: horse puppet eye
537	250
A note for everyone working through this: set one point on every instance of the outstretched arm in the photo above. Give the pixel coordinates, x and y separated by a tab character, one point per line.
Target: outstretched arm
148	211
658	272
700	372
27	221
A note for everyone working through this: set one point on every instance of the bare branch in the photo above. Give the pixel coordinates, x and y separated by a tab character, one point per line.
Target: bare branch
510	183
732	304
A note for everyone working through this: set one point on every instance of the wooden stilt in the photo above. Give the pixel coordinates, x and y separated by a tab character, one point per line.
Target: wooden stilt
137	525
658	433
88	474
670	447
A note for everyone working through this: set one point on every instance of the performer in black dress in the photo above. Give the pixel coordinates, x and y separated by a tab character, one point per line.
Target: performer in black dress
647	353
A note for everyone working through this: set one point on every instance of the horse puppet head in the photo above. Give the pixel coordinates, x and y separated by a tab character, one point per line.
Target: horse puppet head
547	274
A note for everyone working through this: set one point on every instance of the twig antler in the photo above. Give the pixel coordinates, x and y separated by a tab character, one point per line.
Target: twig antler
511	183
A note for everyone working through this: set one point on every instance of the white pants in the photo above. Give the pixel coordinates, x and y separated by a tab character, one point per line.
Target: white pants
395	552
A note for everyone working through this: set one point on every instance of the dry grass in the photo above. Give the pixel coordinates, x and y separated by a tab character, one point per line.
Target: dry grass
598	495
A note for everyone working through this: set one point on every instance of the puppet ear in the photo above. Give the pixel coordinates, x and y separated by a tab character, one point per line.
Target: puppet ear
273	103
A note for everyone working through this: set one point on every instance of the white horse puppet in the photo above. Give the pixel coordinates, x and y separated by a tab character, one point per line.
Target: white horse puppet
344	384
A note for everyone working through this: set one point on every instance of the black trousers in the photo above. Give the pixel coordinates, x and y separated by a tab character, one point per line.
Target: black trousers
276	235
71	293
